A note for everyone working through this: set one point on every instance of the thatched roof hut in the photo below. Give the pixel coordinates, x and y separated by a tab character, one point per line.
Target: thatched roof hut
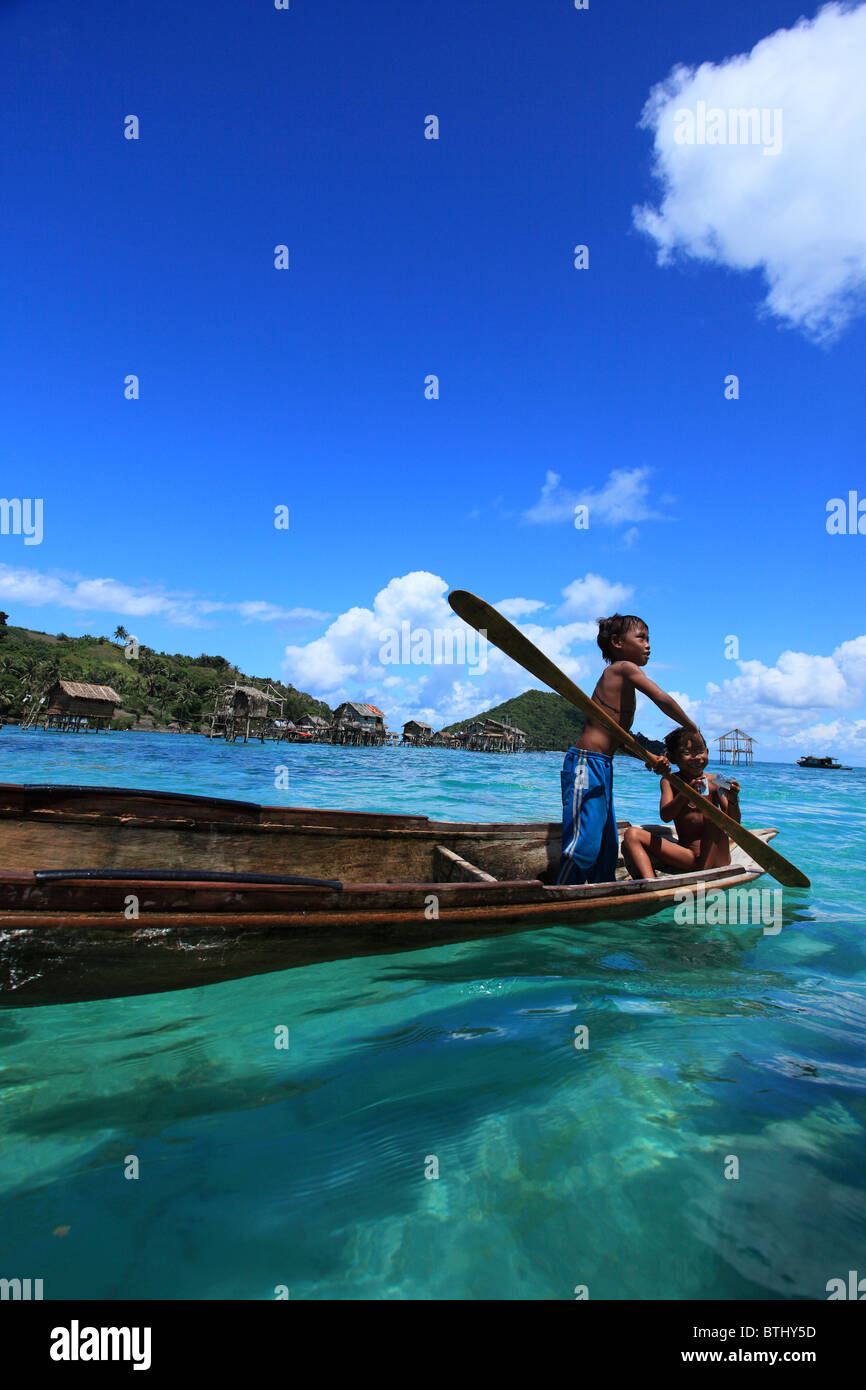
312	721
247	702
73	705
78	697
352	712
488	735
358	723
415	731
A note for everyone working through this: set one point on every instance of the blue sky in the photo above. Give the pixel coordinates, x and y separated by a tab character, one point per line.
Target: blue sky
408	257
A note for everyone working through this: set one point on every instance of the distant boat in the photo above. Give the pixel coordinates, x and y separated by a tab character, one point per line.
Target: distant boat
823	762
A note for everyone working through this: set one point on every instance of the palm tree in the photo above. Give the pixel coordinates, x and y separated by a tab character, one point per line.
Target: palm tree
184	696
120	633
36	679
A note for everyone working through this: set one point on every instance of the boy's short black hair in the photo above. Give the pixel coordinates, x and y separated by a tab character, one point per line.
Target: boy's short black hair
676	738
615	626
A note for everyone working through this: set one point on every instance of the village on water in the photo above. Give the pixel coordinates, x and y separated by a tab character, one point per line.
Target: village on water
55	691
242	712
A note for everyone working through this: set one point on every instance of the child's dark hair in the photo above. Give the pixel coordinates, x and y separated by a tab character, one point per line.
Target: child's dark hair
615	626
676	738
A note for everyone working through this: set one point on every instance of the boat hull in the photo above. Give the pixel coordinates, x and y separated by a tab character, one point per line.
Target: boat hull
86	914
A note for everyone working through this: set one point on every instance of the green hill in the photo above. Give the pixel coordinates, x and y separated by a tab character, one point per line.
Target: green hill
550	723
157	689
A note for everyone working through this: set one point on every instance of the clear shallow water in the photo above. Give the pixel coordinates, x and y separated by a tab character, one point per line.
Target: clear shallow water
557	1167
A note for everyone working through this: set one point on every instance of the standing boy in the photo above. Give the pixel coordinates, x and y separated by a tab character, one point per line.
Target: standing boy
589	841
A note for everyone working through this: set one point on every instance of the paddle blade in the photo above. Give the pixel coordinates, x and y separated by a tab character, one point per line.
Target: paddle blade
510	640
782	869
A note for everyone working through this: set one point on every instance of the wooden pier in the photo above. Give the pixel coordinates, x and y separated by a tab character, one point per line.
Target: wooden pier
489	736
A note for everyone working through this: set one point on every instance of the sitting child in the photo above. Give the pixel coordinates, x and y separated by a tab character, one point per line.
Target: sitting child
700	844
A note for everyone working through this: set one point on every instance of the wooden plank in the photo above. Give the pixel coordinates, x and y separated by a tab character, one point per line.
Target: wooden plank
452	868
376	907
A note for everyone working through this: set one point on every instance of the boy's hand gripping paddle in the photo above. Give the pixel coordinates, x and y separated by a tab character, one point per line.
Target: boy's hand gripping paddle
511	641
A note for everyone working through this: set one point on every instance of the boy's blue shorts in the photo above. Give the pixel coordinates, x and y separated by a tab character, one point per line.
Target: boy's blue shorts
590	846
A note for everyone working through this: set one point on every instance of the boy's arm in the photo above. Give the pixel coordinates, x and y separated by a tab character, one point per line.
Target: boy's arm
731	801
657	763
666	703
644	756
671	804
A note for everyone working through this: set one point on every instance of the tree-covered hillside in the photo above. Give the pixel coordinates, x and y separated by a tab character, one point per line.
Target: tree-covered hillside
548	721
157	689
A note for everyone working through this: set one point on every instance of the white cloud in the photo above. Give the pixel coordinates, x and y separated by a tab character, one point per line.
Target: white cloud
625	497
798	681
260	612
35	589
514	608
593	597
685	702
347	661
775	704
798	215
851	659
838	734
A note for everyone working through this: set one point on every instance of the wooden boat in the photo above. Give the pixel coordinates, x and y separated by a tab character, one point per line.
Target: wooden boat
109	892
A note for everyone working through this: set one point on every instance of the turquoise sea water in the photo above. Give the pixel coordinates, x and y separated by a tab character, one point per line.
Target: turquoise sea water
602	1167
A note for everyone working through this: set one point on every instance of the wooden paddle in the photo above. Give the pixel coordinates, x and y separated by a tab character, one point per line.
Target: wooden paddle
511	641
